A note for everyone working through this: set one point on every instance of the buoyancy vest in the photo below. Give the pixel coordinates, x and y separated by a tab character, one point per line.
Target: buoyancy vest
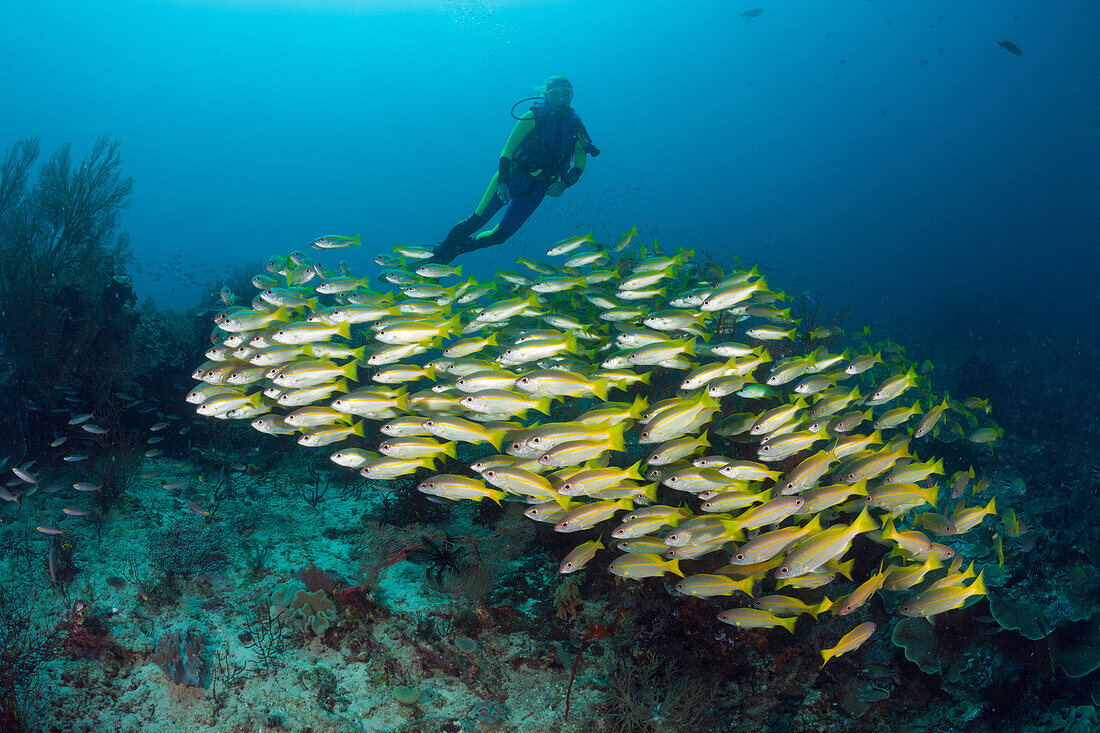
550	145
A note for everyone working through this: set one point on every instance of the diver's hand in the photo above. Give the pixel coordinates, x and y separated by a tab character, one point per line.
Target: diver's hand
503	191
555	189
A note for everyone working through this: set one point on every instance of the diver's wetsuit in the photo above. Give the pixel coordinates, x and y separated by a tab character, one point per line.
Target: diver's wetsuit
536	154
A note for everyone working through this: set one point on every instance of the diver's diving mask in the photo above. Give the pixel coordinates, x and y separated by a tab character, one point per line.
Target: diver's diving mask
559	95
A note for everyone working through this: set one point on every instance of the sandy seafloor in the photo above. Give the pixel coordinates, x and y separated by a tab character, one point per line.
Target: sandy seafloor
499	664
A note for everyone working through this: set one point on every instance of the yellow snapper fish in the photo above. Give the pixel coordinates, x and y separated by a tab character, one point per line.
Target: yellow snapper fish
527	363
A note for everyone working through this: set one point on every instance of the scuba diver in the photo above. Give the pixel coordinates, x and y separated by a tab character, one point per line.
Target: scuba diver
535	162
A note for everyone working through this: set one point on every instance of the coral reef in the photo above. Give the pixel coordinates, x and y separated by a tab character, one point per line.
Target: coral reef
314	610
180	656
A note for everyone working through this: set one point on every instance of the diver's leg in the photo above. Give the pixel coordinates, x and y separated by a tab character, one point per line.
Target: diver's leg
451	247
496	235
466	228
522	206
519	210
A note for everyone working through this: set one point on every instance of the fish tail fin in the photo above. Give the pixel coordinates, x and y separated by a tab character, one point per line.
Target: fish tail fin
639	406
496	438
351	370
845	568
788	623
344	329
991	507
673	566
450	448
599	388
977	588
866	523
615	435
813	526
358	428
633	472
496	495
571	342
649	491
932	495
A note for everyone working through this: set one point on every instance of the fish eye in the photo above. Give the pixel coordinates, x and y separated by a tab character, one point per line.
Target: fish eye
740	556
645	433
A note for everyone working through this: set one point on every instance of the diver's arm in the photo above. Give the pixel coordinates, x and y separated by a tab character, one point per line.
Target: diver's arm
523	127
580	157
580	154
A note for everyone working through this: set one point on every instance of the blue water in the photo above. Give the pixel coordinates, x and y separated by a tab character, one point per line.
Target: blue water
885	152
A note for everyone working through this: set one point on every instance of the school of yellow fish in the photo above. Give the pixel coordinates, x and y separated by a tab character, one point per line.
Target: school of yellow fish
599	388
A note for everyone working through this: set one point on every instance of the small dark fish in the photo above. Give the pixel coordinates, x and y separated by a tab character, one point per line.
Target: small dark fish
1010	47
753	13
924	62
